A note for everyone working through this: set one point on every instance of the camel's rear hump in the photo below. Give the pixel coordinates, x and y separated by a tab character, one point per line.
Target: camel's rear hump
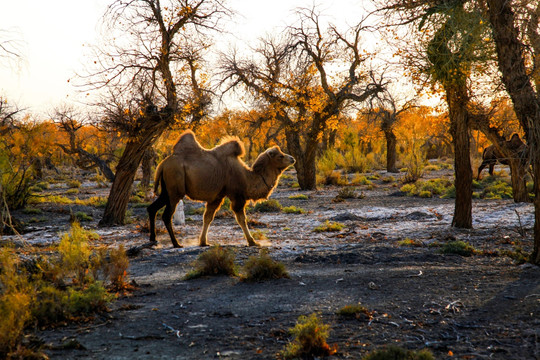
230	147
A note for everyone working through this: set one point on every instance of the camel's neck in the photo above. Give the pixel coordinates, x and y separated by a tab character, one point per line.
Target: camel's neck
262	184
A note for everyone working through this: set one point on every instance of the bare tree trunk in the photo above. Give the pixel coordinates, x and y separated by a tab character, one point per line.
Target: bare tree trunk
147	163
117	203
457	102
305	165
519	185
391	154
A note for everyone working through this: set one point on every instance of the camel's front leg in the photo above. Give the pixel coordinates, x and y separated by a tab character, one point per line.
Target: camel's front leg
239	212
208	216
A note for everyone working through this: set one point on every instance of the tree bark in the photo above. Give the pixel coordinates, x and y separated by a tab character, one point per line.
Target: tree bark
147	162
457	102
305	165
519	87
519	185
391	154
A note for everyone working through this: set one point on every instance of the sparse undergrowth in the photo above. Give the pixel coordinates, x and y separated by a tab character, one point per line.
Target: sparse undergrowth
71	285
489	188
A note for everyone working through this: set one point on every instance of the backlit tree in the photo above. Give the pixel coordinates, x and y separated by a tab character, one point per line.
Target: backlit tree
150	67
305	79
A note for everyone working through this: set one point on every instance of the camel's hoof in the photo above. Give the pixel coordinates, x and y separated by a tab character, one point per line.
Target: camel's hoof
177	246
253	243
203	245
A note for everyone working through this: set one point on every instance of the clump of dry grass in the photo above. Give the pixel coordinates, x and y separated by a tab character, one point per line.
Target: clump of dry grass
357	311
397	353
216	261
263	267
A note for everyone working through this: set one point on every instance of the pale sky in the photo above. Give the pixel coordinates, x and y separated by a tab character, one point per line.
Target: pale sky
53	35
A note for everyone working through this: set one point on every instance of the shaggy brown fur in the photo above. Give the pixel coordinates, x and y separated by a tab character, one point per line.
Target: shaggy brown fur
491	154
210	176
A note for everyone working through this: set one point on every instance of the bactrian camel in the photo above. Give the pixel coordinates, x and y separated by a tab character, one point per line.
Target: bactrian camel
210	176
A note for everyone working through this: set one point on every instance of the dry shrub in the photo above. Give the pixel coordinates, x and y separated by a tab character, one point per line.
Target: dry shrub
357	311
116	268
270	205
458	247
345	193
15	299
329	227
75	253
216	261
263	267
396	353
310	335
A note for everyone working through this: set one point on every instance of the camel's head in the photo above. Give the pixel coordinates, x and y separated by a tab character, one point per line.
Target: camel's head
274	158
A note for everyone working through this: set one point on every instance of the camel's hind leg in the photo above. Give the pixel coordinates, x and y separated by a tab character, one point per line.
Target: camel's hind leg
209	212
152	209
240	214
170	208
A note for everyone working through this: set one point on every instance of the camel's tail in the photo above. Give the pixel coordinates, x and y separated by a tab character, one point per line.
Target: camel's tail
158	178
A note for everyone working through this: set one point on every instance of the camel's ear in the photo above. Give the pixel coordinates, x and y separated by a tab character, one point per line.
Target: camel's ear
260	163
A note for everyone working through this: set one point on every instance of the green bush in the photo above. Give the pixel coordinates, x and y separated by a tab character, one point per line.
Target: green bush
299	197
270	205
458	247
293	210
329	227
92	299
497	190
428	188
360	180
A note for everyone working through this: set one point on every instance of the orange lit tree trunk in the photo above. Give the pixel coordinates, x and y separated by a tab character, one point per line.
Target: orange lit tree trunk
391	155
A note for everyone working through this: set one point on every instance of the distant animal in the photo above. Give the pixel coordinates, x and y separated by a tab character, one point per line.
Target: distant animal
210	176
491	154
